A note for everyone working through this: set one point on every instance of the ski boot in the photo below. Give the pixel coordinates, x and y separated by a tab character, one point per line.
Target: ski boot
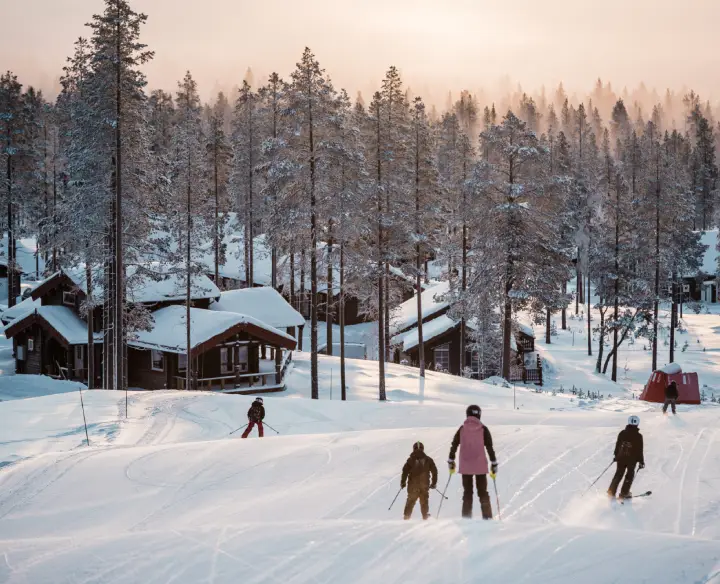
623	496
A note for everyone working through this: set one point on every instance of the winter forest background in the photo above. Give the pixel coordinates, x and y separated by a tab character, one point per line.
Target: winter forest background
523	199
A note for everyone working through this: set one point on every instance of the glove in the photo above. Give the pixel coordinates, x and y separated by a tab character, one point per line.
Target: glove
493	468
433	486
451	466
403	484
642	465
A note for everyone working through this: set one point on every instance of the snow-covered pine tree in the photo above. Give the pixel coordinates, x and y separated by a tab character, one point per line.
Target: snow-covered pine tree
114	133
218	160
312	104
12	138
190	225
518	240
243	188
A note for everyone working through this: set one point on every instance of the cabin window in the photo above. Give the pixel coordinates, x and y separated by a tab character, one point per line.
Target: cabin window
242	358
225	364
158	360
442	357
79	357
182	362
31	345
69	298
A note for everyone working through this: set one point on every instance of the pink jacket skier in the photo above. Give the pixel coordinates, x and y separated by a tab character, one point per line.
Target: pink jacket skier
474	439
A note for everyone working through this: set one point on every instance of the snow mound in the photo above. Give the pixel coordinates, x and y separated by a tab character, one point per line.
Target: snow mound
26	386
671	369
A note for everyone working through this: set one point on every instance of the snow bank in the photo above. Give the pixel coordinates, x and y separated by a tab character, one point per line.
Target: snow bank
265	304
671	369
27	386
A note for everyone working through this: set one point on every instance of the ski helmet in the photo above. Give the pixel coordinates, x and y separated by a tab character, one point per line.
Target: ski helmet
633	421
474	411
259	400
418	446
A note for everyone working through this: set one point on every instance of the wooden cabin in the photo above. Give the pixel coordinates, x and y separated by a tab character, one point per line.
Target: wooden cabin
230	352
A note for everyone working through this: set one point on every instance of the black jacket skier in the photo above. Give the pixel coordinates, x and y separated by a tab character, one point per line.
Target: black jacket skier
420	475
671	396
628	454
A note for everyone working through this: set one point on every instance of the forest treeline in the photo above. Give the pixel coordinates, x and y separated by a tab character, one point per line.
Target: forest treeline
518	204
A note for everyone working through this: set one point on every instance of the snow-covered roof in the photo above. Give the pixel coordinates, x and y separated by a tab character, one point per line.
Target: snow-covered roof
155	282
61	318
169	331
434	328
526	329
710	257
20	309
406	315
265	304
671	369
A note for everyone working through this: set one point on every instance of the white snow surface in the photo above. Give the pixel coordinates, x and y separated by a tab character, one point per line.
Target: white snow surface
167	495
169	331
406	315
710	257
265	304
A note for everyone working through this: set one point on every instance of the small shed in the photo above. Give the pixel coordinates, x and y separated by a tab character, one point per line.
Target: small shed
687	384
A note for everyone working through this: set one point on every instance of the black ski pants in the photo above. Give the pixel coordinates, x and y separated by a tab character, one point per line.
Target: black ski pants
669	401
628	470
415	493
481	483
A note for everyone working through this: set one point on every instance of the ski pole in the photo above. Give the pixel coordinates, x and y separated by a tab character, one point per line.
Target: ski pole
395	499
240	428
597	479
443	494
497	499
273	429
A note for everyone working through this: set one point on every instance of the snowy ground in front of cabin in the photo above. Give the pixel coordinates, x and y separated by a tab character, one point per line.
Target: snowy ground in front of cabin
167	495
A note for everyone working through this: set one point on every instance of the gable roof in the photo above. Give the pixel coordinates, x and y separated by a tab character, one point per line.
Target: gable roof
207	329
60	321
155	283
265	304
405	316
20	309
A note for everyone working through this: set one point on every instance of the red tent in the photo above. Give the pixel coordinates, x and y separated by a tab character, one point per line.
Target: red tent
687	384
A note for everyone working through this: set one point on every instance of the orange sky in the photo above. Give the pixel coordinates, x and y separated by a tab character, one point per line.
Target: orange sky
438	45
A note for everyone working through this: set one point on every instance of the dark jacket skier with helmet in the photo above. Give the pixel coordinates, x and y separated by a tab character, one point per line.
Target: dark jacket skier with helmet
474	439
420	475
671	396
256	415
628	453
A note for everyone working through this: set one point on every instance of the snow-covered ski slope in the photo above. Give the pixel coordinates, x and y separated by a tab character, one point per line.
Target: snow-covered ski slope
168	496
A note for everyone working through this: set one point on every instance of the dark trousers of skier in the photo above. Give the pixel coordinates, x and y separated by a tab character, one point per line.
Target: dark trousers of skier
628	470
415	493
481	484
669	402
250	427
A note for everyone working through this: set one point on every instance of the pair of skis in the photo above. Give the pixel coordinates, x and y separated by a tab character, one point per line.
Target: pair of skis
645	494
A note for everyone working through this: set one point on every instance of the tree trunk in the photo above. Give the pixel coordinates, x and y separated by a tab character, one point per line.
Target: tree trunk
507	331
564	310
314	389
616	303
341	308
216	225
548	326
303	295
656	303
329	305
90	325
119	324
601	341
589	308
381	290
418	257
11	232
673	322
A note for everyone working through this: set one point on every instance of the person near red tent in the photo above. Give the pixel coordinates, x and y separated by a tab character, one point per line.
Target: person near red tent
628	454
671	396
256	415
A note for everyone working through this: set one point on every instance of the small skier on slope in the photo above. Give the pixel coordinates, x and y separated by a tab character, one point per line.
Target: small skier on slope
628	453
474	438
256	415
671	396
420	475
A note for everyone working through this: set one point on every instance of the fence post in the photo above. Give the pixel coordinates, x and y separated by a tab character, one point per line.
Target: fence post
539	366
